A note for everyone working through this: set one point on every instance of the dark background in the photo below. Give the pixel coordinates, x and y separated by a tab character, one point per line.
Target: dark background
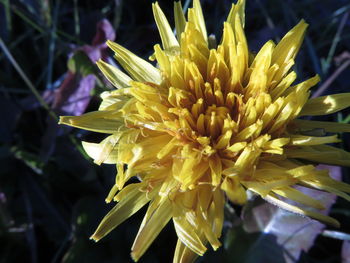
51	194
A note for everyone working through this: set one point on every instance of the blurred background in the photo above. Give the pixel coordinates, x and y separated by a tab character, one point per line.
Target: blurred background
51	193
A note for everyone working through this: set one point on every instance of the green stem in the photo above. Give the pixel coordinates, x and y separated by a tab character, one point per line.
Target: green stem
26	80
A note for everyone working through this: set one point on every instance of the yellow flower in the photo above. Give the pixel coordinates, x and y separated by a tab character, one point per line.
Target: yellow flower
207	124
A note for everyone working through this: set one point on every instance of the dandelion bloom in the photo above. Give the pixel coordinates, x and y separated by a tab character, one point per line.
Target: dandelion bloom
206	125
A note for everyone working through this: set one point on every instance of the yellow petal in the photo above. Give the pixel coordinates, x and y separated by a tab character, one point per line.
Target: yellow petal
306	85
285	114
138	68
151	229
327	126
188	236
224	140
247	159
301	170
204	193
228	38
163	60
180	21
166	34
321	181
195	15
327	188
183	254
216	169
234	190
94	150
283	85
261	64
236	147
289	46
113	100
115	76
130	190
218	213
129	205
271	111
103	152
207	225
249	131
200	169
168	148
237	9
187	172
97	121
264	188
295	195
275	146
312	140
326	104
112	193
321	154
242	46
291	208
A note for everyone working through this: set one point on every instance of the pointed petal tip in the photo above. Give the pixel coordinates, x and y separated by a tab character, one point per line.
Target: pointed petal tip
100	63
155	6
302	21
97	162
60	120
328	221
134	257
336	223
216	246
65	120
317	78
109	43
94	238
302	26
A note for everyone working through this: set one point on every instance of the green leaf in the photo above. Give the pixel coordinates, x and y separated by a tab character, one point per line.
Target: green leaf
30	159
81	63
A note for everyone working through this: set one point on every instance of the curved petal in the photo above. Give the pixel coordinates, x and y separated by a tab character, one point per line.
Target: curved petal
312	140
186	233
327	126
297	196
180	20
290	44
115	76
151	229
326	104
195	15
291	208
166	34
138	68
234	190
129	205
321	154
103	152
183	254
97	121
237	9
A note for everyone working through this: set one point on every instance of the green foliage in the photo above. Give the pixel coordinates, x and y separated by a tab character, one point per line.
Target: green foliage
80	63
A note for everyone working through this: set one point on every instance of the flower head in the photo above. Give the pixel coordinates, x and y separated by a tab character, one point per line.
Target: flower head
206	125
